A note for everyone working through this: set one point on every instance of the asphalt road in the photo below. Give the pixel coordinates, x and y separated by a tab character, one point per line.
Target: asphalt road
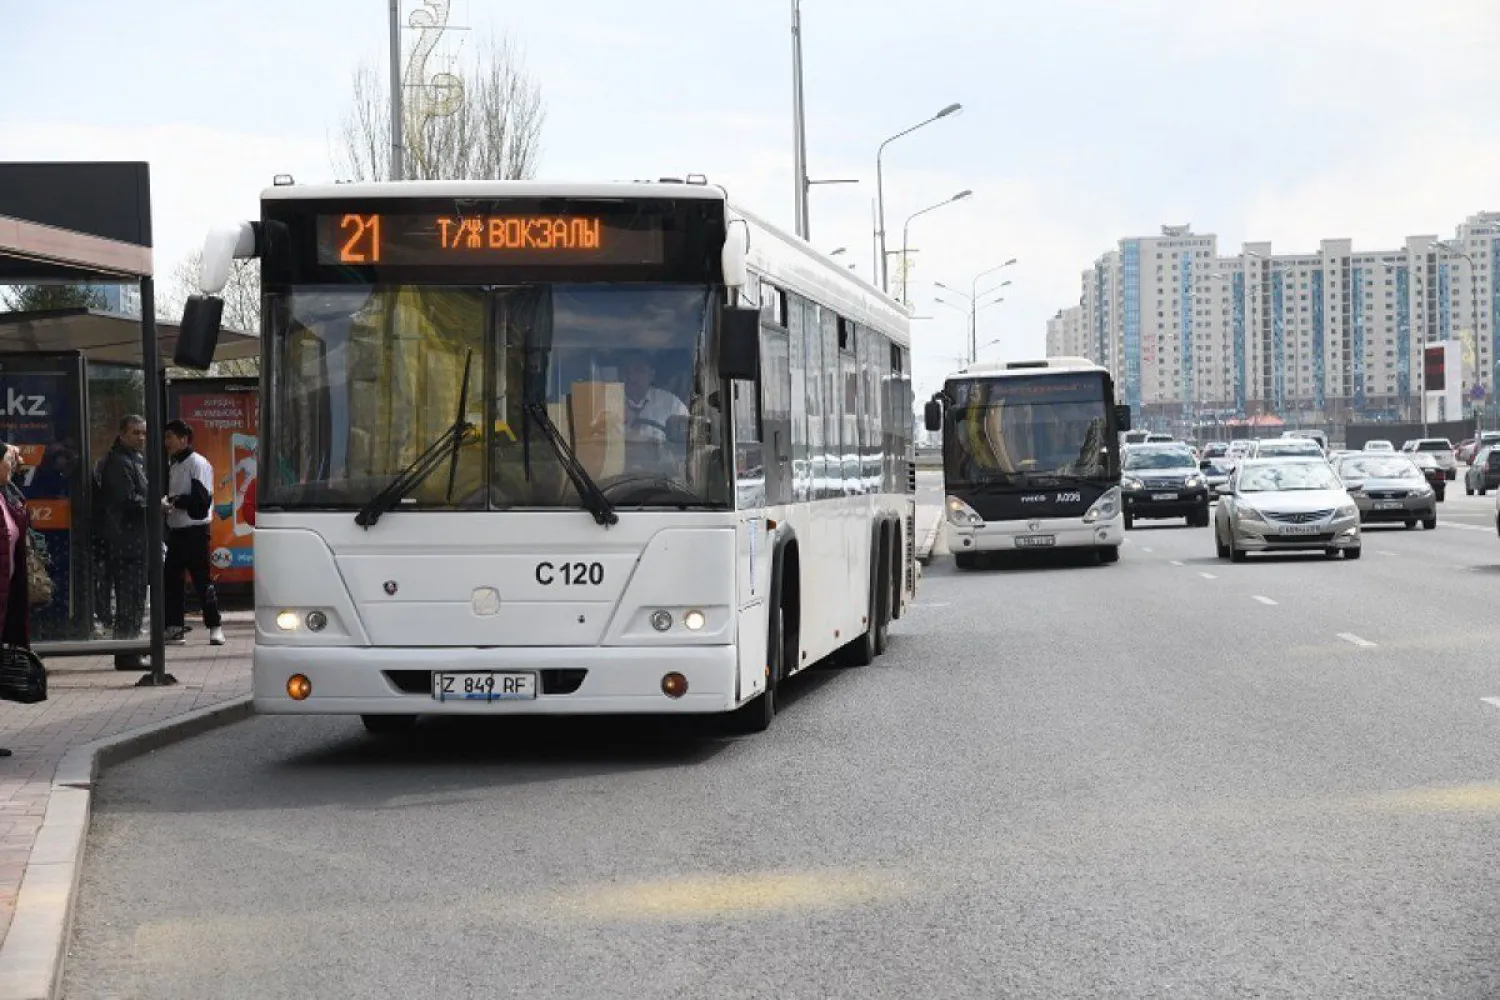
1169	777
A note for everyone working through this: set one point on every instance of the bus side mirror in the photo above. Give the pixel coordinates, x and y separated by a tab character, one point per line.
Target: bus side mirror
933	414
739	343
1122	417
198	335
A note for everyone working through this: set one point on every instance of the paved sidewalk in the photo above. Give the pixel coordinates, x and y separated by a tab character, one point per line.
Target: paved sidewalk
90	700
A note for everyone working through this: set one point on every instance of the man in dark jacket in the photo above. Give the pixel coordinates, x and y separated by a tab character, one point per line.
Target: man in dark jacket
121	520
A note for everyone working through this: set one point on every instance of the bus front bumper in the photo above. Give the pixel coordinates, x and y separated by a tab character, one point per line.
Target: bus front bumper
1031	536
593	680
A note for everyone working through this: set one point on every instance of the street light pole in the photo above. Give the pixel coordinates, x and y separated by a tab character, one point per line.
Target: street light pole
906	230
398	171
885	285
799	123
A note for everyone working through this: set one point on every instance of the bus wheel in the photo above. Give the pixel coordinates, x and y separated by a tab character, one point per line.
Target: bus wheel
389	725
860	651
756	714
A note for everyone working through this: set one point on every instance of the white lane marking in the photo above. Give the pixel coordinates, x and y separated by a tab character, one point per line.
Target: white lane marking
1208	576
1146	548
1177	562
1462	527
1491	701
1361	643
1263	599
1382	552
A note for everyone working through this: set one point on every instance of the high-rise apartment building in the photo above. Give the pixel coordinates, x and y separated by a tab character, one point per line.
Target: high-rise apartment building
1066	334
1329	335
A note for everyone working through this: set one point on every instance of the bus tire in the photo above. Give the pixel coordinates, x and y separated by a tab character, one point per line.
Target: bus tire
1109	553
389	725
860	651
898	569
885	594
756	714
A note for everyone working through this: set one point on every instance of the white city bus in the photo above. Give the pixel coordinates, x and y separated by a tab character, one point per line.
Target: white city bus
1031	457
563	449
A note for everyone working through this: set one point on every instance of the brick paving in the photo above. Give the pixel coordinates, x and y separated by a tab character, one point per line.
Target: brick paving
88	700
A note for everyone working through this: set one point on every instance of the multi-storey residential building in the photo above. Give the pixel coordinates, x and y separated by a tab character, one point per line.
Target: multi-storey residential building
1066	336
1330	335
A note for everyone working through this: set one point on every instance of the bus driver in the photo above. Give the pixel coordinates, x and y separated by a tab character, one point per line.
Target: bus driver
648	409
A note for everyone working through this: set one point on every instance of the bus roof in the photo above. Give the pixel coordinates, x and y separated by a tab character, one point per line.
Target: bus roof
492	189
1020	368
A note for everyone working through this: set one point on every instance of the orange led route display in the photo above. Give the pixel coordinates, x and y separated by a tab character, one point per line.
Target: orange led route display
377	239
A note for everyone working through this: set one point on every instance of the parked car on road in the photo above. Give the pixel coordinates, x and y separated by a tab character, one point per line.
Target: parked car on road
1483	474
1389	488
1285	504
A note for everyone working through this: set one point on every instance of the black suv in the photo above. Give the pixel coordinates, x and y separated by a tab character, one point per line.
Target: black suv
1163	480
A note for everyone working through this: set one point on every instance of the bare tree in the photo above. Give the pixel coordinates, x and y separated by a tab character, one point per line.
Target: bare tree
484	123
35	298
241	297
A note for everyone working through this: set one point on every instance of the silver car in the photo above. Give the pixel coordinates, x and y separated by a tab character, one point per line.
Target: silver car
1389	488
1439	448
1285	505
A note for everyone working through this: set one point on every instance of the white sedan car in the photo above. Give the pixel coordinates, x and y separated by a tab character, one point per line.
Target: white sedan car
1378	445
1285	505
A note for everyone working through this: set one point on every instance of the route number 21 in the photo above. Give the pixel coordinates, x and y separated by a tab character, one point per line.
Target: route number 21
363	243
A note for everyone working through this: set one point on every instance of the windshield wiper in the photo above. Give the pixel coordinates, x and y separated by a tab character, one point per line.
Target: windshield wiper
593	498
424	464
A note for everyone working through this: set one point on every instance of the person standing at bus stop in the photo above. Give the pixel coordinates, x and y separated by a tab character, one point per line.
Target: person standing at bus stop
121	523
188	506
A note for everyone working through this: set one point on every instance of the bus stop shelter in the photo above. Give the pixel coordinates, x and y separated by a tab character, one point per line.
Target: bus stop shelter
88	223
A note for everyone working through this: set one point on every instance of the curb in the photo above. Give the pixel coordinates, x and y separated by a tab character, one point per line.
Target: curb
32	953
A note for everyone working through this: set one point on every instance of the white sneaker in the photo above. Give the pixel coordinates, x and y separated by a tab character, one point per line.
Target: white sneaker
216	636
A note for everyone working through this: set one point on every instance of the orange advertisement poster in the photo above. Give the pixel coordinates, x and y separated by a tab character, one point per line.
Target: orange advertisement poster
51	515
226	429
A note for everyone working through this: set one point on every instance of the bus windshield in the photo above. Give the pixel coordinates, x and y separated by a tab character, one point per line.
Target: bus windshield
363	379
1034	426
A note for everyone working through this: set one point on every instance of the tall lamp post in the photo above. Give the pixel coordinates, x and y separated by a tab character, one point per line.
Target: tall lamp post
799	132
885	284
973	307
906	232
973	296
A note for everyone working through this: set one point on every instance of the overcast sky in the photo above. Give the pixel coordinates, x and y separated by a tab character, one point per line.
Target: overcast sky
1084	120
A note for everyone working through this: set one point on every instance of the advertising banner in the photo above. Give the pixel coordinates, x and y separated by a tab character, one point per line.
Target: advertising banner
225	417
41	409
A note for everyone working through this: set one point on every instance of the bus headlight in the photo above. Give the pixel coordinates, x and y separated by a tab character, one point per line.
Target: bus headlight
288	621
694	620
962	514
661	620
1105	508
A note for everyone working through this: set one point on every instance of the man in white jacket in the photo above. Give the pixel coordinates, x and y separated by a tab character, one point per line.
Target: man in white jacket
188	506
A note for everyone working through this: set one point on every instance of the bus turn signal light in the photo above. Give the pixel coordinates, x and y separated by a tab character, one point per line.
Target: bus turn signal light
674	685
298	687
